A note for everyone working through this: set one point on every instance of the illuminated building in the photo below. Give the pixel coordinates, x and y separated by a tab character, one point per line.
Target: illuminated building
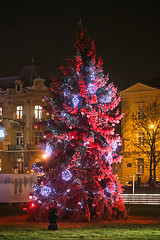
21	100
134	161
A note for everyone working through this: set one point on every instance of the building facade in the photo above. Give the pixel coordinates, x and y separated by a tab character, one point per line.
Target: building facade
134	163
20	107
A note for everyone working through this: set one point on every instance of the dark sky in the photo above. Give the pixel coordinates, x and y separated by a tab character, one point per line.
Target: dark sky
127	36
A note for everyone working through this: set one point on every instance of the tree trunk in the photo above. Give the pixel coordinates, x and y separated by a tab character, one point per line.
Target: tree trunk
154	168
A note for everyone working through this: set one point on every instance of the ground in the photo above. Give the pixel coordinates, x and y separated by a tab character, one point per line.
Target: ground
19	220
143	223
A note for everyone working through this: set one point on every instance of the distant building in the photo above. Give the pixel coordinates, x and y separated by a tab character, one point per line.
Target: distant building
133	100
21	100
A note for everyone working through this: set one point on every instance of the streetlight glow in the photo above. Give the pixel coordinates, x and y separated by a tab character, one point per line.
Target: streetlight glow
45	156
152	126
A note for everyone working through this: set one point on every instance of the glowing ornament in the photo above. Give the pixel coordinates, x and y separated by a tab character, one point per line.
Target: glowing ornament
32	205
66	92
105	99
48	150
92	74
75	100
109	157
30	197
114	146
66	175
109	191
45	191
92	88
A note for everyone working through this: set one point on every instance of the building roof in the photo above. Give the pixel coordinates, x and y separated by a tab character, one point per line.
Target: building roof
7	82
27	75
153	82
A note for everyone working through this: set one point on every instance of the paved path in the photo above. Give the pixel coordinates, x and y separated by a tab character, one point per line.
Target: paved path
21	221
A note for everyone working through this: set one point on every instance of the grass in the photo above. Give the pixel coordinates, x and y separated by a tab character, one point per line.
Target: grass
99	231
126	232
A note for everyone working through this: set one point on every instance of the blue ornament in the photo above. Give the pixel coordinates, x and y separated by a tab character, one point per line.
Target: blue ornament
114	146
75	100
48	149
45	191
66	175
92	88
106	99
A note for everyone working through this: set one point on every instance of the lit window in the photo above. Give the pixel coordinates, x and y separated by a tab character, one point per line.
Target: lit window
0	112
19	138
140	166
19	112
19	164
129	165
38	112
38	137
141	139
140	111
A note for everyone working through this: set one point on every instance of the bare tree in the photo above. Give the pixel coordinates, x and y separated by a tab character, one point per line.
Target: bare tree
141	134
147	124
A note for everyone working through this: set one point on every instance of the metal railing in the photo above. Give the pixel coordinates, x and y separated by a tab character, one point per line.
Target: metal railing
152	199
19	147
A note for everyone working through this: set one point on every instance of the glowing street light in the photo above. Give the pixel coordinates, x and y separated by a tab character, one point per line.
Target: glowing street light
152	126
45	156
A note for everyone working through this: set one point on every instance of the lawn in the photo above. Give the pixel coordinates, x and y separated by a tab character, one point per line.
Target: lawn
139	232
139	226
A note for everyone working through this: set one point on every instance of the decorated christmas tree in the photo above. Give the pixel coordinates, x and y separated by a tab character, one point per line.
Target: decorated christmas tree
80	141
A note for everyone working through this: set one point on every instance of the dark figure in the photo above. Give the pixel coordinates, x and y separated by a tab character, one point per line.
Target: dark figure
53	217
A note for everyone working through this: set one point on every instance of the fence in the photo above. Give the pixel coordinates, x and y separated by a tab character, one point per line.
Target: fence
152	199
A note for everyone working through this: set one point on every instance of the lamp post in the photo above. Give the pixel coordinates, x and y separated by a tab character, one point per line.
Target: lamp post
153	158
133	183
21	124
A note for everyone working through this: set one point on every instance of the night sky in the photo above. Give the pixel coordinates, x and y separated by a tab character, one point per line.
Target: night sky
127	36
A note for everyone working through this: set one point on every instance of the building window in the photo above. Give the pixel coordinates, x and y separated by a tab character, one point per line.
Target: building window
141	139
129	165
19	112
140	166
18	88
116	169
0	165
38	137
19	138
0	112
140	111
38	112
19	164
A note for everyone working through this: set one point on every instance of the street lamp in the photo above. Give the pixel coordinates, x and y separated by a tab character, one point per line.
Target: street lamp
152	126
153	154
21	124
45	156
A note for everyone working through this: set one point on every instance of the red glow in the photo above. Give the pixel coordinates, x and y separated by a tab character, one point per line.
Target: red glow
32	205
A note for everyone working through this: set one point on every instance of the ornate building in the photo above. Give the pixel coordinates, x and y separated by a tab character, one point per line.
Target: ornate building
134	161
20	106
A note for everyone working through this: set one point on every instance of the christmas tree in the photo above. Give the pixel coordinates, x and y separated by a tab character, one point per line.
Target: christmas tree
80	140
